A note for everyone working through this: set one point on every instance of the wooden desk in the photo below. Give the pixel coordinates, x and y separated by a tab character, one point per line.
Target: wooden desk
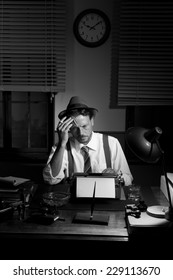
114	231
65	239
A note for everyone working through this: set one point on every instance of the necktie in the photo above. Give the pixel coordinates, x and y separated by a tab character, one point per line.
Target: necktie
87	162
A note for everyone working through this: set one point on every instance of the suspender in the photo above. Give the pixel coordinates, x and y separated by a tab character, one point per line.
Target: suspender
70	159
106	150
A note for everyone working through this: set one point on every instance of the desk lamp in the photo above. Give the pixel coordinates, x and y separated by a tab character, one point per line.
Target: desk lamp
145	145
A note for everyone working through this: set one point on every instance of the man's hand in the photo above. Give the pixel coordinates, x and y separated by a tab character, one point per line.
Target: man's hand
63	129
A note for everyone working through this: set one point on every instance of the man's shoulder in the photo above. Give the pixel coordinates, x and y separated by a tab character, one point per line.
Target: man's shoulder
97	136
112	141
101	134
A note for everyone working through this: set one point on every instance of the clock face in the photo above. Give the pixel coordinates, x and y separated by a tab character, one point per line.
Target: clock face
92	28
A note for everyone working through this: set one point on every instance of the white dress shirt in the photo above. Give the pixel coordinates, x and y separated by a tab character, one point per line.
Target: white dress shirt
98	162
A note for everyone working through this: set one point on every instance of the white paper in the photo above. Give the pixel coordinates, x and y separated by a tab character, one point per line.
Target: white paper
105	187
147	221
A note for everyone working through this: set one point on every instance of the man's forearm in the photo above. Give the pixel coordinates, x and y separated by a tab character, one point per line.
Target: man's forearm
57	159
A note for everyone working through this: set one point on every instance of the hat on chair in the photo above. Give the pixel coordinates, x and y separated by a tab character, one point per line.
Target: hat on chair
75	103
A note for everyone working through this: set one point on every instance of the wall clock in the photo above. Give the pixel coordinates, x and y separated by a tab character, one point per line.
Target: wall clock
92	27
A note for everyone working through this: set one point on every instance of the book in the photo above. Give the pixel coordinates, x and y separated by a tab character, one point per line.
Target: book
11	181
16	188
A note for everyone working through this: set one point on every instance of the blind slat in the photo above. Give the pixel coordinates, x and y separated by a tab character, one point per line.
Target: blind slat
145	47
32	45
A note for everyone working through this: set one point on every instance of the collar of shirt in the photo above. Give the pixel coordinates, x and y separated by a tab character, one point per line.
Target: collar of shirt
91	145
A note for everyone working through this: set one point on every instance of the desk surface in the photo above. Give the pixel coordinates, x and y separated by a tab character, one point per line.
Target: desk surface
116	230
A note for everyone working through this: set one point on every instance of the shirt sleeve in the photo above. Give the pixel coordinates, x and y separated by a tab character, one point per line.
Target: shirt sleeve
119	162
47	171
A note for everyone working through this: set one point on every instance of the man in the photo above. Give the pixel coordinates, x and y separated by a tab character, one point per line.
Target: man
75	131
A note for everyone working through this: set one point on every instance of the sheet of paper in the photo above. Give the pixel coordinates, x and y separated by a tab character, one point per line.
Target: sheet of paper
147	221
105	187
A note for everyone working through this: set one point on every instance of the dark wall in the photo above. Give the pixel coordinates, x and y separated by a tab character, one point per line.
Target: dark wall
19	169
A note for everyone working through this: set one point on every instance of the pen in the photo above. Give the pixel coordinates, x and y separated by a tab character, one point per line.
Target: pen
93	202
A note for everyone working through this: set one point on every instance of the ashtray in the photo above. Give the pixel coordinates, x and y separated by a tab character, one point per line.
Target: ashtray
55	199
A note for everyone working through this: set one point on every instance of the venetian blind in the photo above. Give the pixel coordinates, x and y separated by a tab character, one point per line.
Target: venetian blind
32	45
145	62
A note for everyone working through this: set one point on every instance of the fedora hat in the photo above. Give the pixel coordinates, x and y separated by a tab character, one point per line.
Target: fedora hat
75	103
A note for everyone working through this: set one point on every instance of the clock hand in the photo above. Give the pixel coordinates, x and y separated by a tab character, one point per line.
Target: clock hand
86	25
93	27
